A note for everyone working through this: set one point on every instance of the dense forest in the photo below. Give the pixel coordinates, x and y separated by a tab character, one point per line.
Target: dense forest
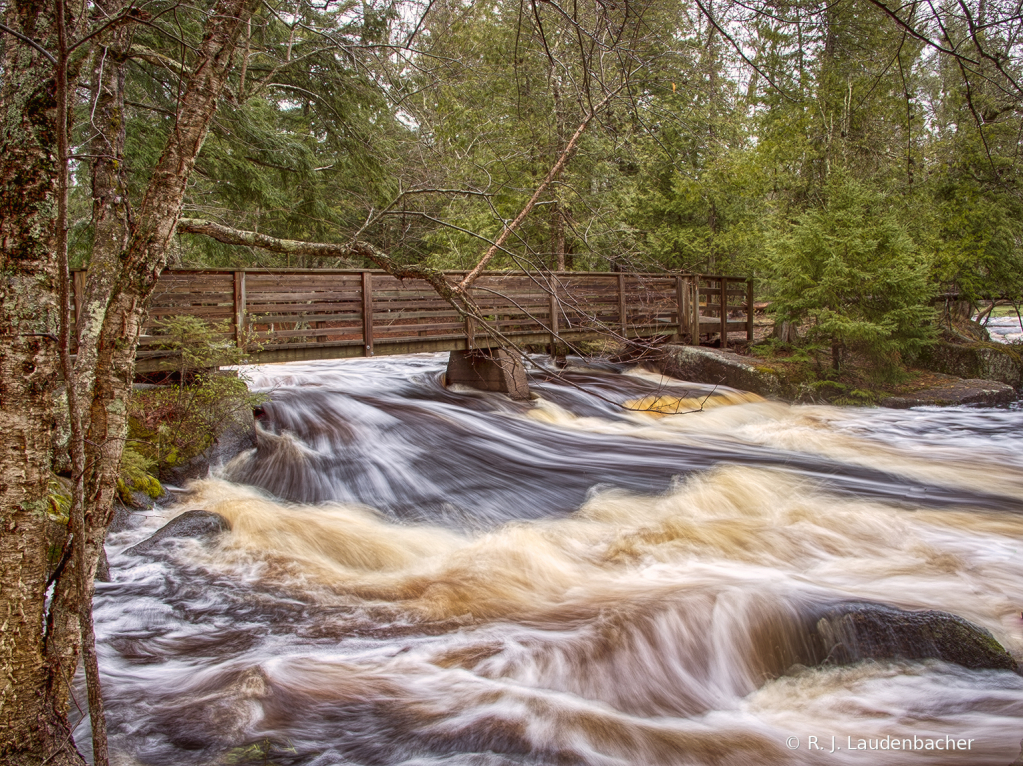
859	159
830	150
716	129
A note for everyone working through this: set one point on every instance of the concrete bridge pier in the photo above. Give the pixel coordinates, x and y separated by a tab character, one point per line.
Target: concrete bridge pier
488	370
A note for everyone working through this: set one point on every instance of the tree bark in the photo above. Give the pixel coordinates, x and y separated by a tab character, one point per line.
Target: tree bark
35	681
110	234
128	259
557	214
558	236
38	664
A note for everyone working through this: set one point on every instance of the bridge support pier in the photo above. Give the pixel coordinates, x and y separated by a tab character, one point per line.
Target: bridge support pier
488	370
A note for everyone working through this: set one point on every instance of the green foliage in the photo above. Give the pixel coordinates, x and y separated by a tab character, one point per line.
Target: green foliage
136	474
171	424
708	221
198	344
853	273
980	249
700	163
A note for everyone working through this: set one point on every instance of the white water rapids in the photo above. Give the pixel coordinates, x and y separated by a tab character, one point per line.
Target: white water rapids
417	575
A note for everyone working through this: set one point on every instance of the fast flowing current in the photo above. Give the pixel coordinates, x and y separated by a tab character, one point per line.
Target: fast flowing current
420	575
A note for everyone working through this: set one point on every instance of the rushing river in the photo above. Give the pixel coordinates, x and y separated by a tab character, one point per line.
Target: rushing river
423	576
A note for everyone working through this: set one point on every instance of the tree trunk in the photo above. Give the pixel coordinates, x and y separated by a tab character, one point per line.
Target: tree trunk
126	263
558	236
37	666
552	174
34	684
557	214
836	355
73	594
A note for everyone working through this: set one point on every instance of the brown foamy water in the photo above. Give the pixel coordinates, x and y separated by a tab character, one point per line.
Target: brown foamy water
422	576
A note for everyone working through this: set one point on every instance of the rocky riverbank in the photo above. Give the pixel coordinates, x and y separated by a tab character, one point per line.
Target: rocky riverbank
989	375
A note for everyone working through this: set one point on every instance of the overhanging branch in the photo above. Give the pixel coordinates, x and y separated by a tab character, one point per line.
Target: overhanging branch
356	249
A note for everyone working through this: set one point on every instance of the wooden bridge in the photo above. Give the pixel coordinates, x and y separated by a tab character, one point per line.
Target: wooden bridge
290	314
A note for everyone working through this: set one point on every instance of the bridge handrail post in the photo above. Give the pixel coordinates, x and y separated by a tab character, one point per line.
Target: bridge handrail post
682	301
622	316
555	308
470	325
240	314
749	309
694	316
723	300
367	313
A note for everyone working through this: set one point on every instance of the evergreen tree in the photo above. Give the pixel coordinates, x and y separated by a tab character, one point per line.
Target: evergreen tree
851	271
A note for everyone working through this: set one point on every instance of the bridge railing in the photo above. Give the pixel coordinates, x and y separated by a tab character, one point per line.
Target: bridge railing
307	314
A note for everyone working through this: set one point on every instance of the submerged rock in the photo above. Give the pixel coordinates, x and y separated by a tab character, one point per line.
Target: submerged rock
201	525
850	632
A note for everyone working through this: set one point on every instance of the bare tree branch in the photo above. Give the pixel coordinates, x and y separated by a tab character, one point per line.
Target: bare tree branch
29	41
354	249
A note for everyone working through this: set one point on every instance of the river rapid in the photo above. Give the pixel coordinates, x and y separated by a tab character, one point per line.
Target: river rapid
424	576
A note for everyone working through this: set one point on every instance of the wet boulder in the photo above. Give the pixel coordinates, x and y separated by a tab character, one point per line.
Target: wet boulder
953	392
845	633
716	367
200	525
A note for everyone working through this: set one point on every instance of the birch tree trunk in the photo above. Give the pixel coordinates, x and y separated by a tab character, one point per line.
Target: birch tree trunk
38	650
34	682
128	257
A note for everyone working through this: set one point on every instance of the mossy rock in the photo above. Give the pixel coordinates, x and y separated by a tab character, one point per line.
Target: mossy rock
716	367
983	360
852	632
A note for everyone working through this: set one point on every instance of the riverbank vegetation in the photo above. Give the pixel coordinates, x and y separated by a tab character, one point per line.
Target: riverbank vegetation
175	420
860	160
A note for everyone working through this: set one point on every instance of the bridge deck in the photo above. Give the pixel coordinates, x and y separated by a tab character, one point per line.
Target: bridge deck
290	315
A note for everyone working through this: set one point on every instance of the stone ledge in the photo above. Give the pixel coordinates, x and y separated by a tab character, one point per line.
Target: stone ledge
708	365
747	373
971	391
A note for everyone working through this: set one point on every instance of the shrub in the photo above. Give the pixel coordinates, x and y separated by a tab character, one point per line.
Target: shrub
171	424
137	475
